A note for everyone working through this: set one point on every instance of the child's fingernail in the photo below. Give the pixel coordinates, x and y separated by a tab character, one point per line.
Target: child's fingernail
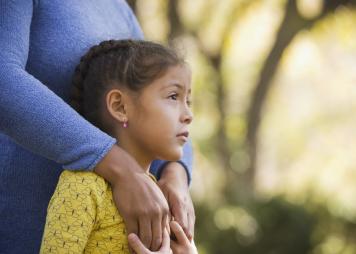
133	237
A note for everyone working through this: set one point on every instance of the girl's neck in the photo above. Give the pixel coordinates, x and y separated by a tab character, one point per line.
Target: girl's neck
140	156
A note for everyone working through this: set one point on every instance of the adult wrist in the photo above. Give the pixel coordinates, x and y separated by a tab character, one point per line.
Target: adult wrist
175	171
114	165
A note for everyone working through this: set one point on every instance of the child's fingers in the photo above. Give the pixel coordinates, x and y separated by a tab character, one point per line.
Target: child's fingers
179	233
174	246
136	244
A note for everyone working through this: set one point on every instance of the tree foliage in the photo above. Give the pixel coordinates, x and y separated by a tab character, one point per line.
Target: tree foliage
231	216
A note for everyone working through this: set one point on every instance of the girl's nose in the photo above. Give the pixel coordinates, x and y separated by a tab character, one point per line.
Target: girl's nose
187	116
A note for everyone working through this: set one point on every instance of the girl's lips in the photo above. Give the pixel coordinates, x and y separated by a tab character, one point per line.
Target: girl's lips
183	134
183	138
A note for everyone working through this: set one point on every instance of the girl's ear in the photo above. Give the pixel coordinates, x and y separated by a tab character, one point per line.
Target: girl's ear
116	104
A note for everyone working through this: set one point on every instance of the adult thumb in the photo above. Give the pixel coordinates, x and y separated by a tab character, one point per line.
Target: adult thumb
136	244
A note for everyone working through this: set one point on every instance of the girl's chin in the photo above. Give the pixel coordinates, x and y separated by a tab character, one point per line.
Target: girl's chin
173	155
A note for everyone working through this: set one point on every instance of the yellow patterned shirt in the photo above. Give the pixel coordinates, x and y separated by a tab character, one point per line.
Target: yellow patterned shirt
82	217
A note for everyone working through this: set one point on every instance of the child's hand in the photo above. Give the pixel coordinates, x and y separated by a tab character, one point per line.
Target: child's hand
181	245
139	248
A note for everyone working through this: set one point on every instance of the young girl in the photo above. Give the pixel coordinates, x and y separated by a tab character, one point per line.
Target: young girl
139	93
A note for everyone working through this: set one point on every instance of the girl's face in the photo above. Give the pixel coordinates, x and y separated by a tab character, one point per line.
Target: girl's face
158	119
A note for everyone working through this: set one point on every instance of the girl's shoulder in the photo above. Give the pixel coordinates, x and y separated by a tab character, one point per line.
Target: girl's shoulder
83	180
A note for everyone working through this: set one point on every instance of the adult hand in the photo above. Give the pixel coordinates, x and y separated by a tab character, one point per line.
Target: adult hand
174	185
138	199
139	248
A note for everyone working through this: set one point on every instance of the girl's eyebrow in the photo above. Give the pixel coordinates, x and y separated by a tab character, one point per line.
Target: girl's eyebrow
178	85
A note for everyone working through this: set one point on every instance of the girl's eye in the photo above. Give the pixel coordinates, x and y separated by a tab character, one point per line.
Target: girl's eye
189	103
173	96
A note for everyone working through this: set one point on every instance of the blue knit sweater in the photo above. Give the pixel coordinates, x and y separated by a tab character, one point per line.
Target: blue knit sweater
41	42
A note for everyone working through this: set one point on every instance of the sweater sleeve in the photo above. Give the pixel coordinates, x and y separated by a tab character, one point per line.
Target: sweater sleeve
187	162
31	114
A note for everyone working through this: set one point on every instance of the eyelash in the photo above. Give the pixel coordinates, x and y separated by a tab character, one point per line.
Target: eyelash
174	97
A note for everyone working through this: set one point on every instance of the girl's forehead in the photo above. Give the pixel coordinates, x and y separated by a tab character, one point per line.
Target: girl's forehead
177	76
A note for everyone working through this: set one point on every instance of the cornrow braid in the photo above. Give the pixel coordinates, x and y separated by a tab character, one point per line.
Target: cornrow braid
130	64
82	69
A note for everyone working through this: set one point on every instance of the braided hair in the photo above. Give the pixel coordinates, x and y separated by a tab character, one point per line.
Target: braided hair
131	64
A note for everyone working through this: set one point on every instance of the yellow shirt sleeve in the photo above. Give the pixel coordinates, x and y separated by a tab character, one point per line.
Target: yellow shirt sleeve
82	217
72	213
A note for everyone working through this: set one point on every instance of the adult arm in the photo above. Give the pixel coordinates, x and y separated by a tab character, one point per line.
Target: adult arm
31	114
37	119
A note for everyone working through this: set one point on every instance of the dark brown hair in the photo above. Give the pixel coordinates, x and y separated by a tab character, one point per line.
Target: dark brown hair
131	64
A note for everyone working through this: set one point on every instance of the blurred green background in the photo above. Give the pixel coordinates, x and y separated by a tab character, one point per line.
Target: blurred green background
274	133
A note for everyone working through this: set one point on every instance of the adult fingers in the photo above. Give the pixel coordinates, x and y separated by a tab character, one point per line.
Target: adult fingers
156	235
159	217
165	248
180	213
145	231
165	224
191	224
137	245
188	233
179	233
189	230
132	228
